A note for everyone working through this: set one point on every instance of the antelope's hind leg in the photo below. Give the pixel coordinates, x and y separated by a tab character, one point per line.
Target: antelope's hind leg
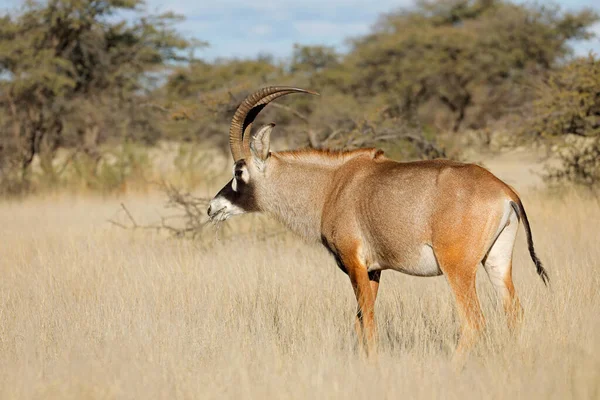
368	337
460	271
365	287
498	265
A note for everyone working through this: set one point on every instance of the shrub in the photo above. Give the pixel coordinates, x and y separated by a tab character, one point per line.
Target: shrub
568	111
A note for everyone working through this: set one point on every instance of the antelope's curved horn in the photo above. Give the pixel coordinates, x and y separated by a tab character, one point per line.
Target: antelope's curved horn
241	124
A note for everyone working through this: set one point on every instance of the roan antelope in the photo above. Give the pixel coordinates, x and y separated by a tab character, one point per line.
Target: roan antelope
423	218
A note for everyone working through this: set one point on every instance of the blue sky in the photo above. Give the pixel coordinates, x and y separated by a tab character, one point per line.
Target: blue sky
236	28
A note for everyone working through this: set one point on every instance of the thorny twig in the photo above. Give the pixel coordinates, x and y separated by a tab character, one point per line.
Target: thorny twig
194	222
191	217
134	224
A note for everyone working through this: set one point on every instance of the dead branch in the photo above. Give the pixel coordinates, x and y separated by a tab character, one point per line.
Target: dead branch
291	110
428	148
134	224
189	221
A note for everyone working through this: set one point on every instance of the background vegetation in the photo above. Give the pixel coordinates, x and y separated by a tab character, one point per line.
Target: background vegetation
86	95
96	103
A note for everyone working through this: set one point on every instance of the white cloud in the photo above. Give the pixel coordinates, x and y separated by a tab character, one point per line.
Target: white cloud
583	47
286	6
236	28
261	29
596	29
246	49
329	29
10	5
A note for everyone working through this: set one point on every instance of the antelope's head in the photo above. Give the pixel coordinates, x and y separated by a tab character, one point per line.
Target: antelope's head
250	154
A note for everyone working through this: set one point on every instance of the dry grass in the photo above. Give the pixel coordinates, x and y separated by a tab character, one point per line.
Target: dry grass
91	311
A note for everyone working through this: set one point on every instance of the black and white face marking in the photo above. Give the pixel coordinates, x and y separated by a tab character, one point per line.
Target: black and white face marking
235	198
240	174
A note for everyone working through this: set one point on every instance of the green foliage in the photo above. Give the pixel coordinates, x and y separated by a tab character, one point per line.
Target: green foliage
461	55
569	101
112	172
192	165
312	59
74	73
198	99
579	162
222	75
568	109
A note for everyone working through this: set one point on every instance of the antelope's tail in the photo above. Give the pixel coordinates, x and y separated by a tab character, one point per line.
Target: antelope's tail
518	207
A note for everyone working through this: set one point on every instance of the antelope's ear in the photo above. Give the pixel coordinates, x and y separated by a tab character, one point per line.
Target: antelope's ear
260	144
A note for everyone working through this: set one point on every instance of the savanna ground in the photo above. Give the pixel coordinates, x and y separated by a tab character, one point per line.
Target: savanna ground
89	310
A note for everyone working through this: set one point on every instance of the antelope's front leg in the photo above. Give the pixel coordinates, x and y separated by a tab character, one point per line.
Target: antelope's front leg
365	315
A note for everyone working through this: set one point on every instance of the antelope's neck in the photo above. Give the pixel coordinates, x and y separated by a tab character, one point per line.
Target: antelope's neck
295	194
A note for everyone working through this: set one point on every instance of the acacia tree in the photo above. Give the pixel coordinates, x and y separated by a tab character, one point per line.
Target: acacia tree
71	70
200	97
567	110
461	55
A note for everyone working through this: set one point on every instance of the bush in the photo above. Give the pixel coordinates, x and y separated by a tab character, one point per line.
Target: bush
569	101
568	111
580	162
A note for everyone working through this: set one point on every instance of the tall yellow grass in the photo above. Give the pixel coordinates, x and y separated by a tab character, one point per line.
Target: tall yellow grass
91	311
